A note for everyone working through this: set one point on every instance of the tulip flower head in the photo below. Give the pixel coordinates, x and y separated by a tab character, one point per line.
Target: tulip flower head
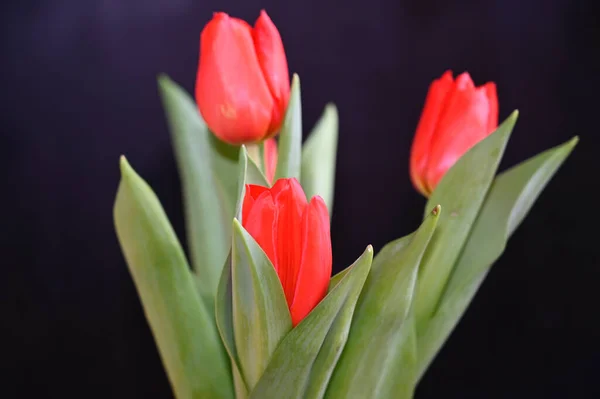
243	83
457	115
294	234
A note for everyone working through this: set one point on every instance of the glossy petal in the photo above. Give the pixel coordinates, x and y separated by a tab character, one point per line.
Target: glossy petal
290	202
315	268
252	192
492	96
294	234
272	60
463	123
235	101
261	223
434	104
457	115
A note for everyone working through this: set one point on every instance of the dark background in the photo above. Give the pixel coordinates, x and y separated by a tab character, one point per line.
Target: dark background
78	89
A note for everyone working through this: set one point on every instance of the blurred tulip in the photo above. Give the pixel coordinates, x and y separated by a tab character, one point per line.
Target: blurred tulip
457	115
295	236
243	84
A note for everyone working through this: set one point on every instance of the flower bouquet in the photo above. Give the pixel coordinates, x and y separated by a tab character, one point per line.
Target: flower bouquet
252	311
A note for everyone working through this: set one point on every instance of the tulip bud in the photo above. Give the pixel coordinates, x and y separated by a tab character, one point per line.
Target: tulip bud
243	84
294	234
457	115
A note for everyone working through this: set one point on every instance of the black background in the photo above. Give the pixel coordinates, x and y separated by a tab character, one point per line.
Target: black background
78	89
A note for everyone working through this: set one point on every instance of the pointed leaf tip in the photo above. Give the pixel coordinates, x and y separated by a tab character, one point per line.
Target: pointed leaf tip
124	166
237	225
183	329
436	210
573	142
162	78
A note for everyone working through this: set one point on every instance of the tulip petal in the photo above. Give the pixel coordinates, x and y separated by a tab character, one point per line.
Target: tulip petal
462	124
256	190
246	206
253	191
424	136
273	62
232	93
290	202
261	223
315	267
492	96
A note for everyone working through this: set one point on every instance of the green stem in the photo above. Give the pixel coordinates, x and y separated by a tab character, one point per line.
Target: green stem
257	153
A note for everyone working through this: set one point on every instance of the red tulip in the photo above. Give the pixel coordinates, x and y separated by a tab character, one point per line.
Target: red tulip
243	84
457	115
295	236
270	159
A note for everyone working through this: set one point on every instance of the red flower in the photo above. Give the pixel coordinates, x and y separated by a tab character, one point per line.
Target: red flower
457	115
243	84
295	236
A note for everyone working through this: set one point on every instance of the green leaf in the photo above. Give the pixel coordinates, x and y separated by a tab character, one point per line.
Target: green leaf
461	193
183	328
510	197
318	158
379	356
302	364
224	316
337	278
208	169
260	313
290	138
254	175
248	173
256	163
241	189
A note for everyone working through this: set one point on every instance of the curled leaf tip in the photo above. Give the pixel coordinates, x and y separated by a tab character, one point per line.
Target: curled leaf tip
436	210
